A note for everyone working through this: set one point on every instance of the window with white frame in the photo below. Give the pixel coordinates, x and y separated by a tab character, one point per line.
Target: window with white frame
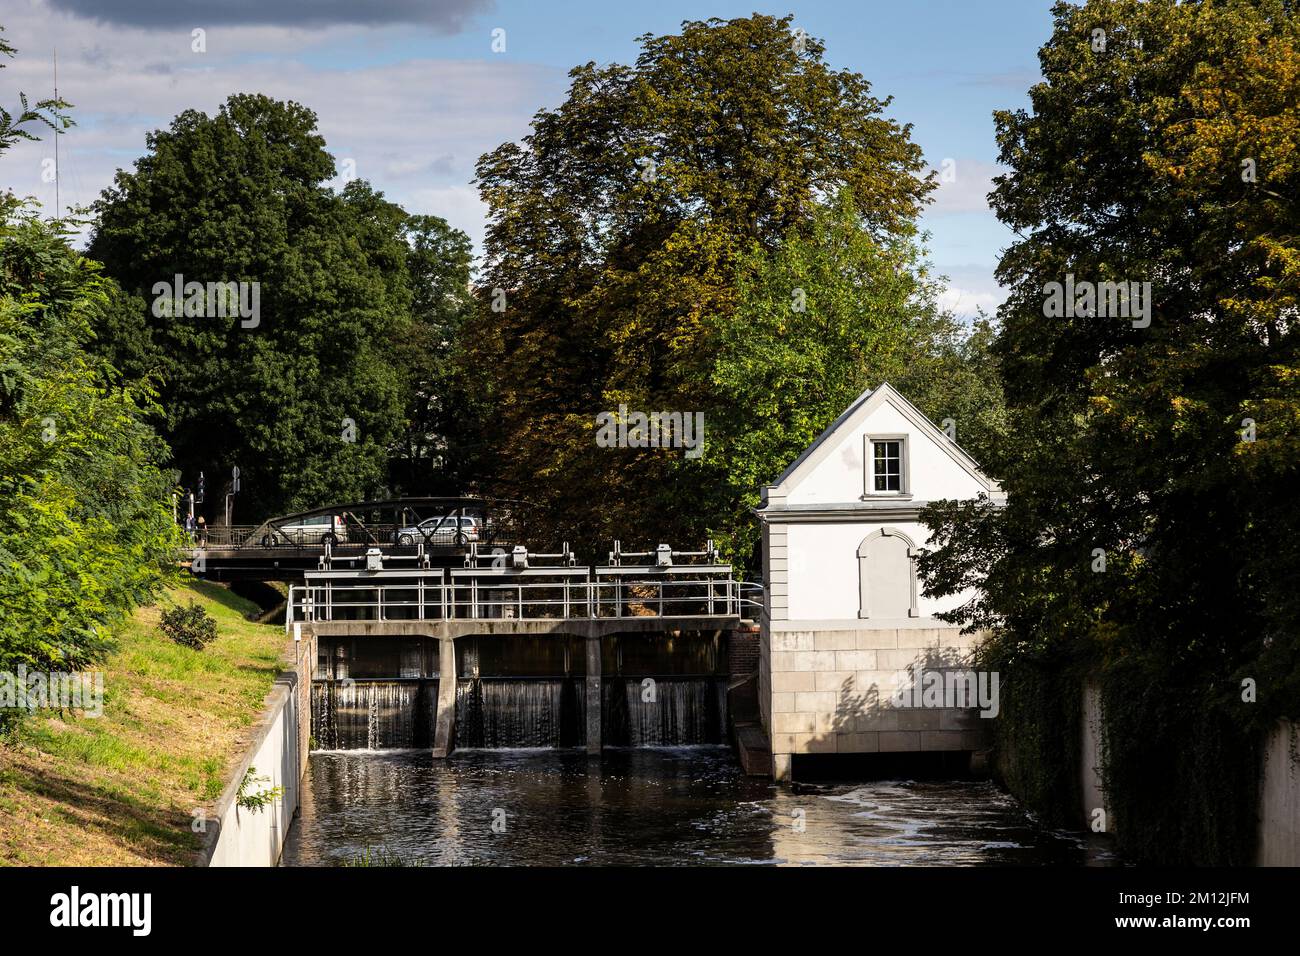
886	457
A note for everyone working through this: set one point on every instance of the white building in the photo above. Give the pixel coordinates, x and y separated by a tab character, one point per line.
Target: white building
845	616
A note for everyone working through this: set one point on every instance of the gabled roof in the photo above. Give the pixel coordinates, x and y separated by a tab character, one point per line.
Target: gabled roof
857	412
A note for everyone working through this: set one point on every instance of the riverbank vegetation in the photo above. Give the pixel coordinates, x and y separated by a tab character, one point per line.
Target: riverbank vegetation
86	527
122	788
1150	540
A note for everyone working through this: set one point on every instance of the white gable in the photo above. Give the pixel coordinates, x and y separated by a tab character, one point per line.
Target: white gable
833	470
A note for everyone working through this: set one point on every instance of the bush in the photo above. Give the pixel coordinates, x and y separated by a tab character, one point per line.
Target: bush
191	626
1037	732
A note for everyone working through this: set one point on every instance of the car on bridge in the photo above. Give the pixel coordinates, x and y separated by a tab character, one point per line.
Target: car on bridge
446	529
318	529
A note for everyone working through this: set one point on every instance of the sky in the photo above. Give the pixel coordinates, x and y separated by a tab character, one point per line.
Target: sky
412	91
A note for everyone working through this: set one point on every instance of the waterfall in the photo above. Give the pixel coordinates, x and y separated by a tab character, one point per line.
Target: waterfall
372	715
681	711
503	712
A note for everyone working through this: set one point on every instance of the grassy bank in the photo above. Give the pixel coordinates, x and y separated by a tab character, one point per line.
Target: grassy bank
120	789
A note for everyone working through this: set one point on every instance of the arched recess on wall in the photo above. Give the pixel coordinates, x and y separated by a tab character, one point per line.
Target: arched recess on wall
887	575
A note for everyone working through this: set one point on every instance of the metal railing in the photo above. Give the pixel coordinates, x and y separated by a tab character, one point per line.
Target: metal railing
222	536
752	600
387	535
530	595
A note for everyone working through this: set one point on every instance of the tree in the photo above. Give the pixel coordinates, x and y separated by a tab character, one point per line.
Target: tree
1151	528
617	233
307	396
816	322
437	446
86	530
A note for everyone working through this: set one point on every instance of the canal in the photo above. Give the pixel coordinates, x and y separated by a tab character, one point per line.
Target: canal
650	806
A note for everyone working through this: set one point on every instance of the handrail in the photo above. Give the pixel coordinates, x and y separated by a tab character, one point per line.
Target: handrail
678	594
759	602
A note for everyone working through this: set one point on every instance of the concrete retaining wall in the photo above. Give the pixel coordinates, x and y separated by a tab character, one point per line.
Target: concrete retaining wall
1279	789
1090	779
1279	798
277	755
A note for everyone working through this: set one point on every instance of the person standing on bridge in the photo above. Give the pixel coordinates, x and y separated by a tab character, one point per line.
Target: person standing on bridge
203	530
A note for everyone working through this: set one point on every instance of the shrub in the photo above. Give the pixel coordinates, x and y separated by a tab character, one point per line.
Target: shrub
191	626
259	801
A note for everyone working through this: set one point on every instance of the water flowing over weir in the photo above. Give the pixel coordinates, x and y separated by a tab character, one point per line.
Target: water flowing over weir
519	692
372	715
667	712
520	713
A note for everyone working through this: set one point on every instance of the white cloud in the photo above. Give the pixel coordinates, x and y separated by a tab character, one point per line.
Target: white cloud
459	205
414	128
445	16
964	302
972	181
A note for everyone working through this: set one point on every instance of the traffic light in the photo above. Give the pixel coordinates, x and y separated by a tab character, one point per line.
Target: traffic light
199	497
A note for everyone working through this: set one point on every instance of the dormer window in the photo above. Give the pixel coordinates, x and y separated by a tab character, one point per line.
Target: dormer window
886	465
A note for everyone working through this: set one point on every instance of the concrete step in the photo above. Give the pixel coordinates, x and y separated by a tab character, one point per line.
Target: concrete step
754	749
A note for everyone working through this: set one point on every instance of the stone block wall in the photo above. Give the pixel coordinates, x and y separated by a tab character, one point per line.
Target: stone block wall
828	691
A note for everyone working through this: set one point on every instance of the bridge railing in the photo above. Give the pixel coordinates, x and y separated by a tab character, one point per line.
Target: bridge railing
543	594
222	536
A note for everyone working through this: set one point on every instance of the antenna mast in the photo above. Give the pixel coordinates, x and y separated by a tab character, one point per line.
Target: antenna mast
58	214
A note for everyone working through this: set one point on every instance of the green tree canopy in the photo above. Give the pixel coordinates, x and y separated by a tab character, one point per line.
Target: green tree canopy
1152	471
86	529
816	322
618	232
307	397
439	444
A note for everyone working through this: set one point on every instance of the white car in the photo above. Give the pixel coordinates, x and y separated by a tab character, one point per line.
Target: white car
315	530
447	529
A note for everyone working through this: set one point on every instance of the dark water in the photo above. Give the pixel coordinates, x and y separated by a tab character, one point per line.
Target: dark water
672	806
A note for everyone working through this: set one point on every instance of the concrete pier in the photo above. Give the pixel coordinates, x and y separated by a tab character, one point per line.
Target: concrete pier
593	695
445	726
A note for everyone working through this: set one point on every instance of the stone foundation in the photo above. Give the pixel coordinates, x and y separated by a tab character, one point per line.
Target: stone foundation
827	689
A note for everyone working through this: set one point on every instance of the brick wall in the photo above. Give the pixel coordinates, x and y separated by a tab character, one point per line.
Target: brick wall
742	653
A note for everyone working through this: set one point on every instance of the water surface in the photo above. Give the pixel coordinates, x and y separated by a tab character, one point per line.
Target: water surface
649	806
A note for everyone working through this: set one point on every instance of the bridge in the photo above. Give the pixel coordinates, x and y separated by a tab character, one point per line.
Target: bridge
415	597
440	530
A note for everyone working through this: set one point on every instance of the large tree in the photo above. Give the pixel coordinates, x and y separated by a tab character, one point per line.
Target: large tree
815	322
439	444
618	232
306	397
1152	526
86	530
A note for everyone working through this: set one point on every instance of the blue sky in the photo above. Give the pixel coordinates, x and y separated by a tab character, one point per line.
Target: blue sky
412	92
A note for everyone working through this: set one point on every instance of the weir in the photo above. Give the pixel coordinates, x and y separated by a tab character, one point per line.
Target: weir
525	656
520	692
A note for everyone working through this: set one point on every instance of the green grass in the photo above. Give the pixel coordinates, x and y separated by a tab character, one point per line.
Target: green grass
120	789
